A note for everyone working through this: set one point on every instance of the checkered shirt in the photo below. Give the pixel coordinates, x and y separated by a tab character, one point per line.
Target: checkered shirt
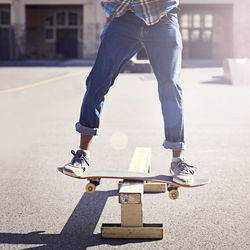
150	11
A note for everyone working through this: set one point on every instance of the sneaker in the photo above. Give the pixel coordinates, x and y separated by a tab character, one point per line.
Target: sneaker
182	172
78	165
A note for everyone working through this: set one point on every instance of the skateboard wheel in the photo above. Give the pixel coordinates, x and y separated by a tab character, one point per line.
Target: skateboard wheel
90	188
173	194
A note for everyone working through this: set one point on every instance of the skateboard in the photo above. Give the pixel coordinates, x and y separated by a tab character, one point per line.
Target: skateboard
94	178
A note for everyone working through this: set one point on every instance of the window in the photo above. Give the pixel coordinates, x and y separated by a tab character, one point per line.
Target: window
184	21
196	21
195	35
4	18
206	35
73	18
49	21
49	34
184	33
208	21
197	26
62	20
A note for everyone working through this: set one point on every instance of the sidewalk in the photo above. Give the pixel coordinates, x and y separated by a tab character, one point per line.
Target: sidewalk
47	63
80	62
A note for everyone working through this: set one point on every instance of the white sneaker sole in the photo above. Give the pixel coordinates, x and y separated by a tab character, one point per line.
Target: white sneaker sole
183	181
73	173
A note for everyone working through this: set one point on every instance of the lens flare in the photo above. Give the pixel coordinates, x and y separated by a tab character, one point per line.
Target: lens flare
118	140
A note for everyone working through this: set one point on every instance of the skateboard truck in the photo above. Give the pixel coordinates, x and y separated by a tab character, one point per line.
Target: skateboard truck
93	183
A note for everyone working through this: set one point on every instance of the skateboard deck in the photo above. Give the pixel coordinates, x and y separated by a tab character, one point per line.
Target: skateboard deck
94	178
135	176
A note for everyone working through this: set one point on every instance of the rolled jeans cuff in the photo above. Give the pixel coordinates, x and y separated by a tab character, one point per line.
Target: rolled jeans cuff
180	146
85	130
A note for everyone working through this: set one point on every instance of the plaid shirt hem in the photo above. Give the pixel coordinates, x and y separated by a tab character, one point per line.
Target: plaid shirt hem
150	11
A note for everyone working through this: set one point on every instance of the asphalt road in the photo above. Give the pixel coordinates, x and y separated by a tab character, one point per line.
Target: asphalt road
42	209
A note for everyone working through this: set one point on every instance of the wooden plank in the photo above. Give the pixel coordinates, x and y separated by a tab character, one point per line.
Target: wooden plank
140	162
131	215
130	197
154	187
147	231
138	158
132	192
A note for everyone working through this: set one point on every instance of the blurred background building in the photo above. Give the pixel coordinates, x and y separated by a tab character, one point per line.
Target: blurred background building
60	29
50	29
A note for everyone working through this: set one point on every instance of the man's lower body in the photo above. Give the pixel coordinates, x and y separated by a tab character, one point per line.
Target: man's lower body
121	39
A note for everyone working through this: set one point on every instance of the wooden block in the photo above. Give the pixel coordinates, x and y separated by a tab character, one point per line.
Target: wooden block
147	231
131	215
130	197
236	71
154	187
131	192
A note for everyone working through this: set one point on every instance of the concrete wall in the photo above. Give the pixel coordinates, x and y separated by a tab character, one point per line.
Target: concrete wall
241	29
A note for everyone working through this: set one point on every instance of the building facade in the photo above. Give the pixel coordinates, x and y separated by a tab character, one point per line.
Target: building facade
60	29
50	29
215	29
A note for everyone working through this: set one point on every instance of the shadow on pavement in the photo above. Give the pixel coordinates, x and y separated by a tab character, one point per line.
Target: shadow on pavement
202	63
217	80
78	232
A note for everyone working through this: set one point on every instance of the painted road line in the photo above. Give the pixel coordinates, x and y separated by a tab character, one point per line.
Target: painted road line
54	79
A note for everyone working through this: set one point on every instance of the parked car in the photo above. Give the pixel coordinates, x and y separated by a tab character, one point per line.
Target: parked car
139	63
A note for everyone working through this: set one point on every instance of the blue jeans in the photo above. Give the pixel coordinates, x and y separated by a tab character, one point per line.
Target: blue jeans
120	40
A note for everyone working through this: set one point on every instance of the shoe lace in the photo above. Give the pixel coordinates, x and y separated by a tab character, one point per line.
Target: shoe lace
184	167
79	157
